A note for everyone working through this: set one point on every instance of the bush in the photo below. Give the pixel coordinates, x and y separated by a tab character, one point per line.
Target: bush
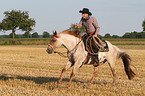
35	35
12	42
46	35
107	35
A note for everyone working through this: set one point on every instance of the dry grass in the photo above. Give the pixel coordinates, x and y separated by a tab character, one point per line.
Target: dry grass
29	70
128	42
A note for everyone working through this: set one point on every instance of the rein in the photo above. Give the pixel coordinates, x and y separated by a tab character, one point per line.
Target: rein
62	53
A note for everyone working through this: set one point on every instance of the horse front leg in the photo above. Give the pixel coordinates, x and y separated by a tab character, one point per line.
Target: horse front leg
62	72
76	67
68	65
71	77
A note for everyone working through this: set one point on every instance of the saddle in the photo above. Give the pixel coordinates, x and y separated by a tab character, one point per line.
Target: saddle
95	44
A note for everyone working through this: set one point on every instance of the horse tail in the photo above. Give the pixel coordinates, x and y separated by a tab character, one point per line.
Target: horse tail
126	61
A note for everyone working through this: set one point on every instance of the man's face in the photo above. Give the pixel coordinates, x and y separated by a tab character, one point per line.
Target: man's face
85	15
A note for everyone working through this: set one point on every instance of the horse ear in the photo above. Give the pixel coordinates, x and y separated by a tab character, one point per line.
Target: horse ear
55	32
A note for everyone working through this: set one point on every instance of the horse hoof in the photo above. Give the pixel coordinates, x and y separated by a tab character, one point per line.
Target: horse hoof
66	89
113	84
67	86
86	86
58	85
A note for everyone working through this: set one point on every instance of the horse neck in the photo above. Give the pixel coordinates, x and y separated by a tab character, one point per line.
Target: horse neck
69	41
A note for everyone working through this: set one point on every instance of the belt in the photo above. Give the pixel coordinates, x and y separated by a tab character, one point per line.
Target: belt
91	33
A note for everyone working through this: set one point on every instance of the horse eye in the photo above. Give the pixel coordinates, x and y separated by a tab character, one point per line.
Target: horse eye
54	40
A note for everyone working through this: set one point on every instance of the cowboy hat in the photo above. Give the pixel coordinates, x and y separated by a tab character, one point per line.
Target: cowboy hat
85	10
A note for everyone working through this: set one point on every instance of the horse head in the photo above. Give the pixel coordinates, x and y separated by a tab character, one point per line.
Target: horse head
54	43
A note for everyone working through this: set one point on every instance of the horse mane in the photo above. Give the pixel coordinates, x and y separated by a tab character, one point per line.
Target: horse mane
75	33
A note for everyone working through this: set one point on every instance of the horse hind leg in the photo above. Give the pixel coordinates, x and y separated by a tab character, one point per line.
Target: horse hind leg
68	65
96	69
113	70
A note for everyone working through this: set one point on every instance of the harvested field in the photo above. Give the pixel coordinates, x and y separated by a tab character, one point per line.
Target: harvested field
29	70
128	42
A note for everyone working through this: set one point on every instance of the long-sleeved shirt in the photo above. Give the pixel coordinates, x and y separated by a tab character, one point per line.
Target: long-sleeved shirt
90	24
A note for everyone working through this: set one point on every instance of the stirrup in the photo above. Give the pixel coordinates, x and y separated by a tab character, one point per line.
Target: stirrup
86	60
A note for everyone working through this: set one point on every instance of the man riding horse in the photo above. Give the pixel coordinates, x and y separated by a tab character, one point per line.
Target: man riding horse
92	29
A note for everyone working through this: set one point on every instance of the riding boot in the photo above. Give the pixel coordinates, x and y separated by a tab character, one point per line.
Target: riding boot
87	59
95	60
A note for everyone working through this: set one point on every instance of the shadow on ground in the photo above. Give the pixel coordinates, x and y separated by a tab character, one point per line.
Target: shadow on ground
41	80
38	80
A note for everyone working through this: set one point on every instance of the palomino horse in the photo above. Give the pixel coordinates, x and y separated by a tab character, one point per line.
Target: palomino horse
76	54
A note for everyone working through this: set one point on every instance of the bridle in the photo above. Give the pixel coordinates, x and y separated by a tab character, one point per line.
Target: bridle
72	51
49	45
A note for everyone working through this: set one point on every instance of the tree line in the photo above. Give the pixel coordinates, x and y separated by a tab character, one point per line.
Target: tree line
19	20
127	35
28	35
47	35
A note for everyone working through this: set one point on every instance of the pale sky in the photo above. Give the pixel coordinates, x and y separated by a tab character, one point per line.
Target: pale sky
114	16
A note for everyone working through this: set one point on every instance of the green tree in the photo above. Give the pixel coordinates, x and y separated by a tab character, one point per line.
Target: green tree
127	35
134	34
82	29
46	35
26	35
115	36
35	35
16	20
11	35
139	35
142	34
107	35
143	25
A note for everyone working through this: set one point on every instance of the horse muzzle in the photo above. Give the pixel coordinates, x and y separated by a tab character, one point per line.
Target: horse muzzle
49	50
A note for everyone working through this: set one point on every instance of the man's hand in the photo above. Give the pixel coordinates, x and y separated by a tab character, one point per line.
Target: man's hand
84	36
95	35
76	25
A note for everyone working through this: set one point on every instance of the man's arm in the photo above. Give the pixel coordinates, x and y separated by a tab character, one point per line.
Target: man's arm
79	25
96	26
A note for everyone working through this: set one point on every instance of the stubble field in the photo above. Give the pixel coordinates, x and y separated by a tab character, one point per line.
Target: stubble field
29	70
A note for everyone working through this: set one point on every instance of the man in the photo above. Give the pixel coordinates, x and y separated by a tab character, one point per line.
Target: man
91	27
89	22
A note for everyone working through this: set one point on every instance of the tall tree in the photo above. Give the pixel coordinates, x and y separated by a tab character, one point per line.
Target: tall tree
11	35
16	20
143	25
